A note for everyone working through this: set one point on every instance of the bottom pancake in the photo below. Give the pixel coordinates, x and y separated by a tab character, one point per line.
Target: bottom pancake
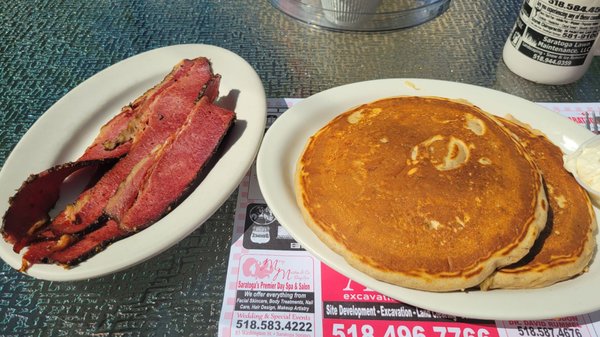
567	244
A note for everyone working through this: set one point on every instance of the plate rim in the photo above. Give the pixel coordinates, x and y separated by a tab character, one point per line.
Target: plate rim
413	86
137	69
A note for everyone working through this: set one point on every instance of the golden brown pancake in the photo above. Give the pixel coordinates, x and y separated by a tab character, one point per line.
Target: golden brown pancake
421	192
567	243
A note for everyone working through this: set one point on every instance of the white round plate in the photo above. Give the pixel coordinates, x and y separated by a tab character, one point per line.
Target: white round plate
285	140
63	132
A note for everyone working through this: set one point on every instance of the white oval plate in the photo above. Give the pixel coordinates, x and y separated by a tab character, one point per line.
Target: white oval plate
63	132
285	140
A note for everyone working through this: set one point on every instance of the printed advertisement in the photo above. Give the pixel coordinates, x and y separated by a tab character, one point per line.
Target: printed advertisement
351	309
556	32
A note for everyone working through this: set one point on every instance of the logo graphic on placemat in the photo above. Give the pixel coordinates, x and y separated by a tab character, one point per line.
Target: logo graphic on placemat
261	214
263	231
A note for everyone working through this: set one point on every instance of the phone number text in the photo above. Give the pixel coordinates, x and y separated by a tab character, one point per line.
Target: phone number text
254	324
529	331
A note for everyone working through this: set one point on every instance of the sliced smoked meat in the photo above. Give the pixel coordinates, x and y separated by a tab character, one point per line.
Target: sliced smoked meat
162	141
162	115
175	168
39	251
130	187
111	133
29	207
89	245
178	163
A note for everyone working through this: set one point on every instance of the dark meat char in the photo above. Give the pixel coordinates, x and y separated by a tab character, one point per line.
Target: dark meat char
29	207
66	252
89	245
40	250
163	114
176	166
28	210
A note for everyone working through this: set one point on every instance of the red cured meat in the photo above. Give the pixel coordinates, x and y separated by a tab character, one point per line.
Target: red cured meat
163	116
169	172
29	207
109	133
28	210
129	188
91	244
39	251
166	136
160	114
178	164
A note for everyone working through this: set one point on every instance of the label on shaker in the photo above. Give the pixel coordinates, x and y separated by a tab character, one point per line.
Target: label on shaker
556	32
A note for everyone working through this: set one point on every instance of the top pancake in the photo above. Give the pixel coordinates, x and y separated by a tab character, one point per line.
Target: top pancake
422	192
566	245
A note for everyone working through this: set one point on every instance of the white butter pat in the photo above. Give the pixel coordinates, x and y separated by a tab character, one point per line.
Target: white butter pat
588	167
585	166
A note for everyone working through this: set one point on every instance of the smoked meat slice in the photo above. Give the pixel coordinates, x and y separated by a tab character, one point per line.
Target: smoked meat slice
180	161
163	116
29	207
176	167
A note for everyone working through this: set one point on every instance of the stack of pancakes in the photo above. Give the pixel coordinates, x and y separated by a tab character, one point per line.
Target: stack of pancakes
436	194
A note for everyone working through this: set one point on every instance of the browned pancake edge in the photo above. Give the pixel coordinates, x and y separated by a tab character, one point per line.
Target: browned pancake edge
566	246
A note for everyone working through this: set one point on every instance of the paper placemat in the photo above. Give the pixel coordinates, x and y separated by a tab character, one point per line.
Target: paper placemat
276	288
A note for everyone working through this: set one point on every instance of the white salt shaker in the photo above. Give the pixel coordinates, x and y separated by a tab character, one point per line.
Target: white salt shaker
554	41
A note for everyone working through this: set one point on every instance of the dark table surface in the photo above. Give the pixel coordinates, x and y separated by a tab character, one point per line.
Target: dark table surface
49	47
